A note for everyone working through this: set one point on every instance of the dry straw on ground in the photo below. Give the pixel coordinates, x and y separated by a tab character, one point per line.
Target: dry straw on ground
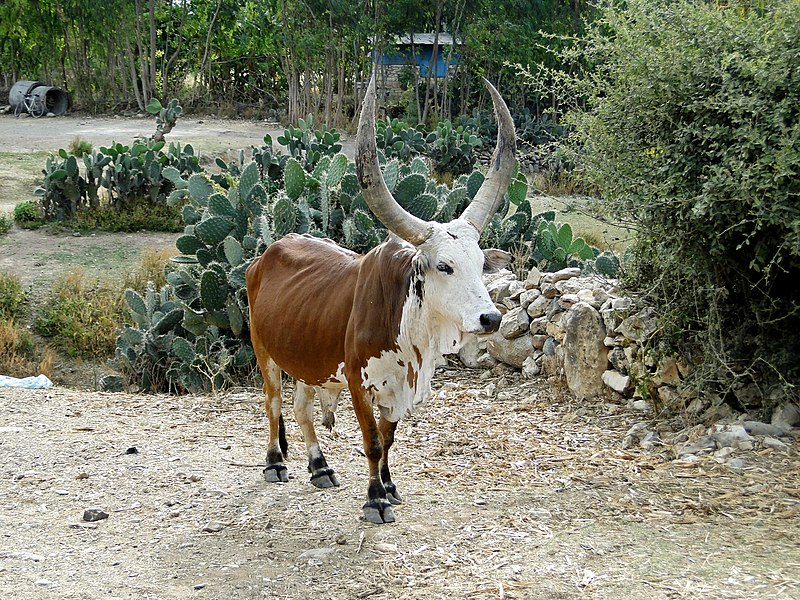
517	495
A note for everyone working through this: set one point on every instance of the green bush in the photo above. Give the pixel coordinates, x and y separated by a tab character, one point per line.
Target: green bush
81	317
691	131
78	147
28	215
6	222
12	296
136	216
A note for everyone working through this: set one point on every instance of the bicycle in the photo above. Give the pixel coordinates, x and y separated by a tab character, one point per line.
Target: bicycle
32	105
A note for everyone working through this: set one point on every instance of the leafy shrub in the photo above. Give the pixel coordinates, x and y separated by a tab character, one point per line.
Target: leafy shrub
136	216
81	317
28	215
12	296
691	134
78	147
6	222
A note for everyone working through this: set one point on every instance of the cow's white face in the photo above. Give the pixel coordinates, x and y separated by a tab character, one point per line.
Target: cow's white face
452	264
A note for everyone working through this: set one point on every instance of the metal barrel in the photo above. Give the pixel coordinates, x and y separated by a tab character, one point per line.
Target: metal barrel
54	99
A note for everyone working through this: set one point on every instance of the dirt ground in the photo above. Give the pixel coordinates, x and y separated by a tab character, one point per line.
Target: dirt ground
513	495
512	489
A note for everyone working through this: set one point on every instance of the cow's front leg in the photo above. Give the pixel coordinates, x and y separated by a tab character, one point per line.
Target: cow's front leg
377	509
322	476
387	429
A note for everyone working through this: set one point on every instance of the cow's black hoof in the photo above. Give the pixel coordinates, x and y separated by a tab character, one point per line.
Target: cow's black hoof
276	473
378	511
392	495
324	478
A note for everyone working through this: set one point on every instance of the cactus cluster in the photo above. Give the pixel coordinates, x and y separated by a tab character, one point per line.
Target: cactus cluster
127	173
309	145
166	116
158	353
399	140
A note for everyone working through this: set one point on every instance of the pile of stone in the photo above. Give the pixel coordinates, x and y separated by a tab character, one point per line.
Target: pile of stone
600	341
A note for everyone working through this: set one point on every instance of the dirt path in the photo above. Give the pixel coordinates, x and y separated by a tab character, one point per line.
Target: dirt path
511	496
208	134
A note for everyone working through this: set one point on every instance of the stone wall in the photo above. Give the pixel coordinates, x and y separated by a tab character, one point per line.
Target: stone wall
584	329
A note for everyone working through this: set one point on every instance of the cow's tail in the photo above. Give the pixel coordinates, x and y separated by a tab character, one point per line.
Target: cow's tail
282	436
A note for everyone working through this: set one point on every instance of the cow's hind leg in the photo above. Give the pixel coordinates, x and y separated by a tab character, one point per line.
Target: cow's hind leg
387	429
275	471
322	476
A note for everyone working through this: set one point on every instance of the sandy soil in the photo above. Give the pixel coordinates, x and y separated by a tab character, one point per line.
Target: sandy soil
511	495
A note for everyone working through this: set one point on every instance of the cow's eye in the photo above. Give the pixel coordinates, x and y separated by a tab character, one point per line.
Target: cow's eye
445	268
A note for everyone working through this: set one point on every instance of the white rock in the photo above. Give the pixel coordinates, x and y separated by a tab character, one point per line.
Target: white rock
786	416
511	352
538	307
585	355
774	443
617	381
621	304
533	279
567	301
561	275
528	296
515	323
530	368
316	553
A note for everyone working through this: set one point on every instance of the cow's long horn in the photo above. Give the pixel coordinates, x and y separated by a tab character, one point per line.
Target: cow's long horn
501	168
373	187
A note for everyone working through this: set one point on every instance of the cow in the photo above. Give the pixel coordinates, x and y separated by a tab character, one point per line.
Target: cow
377	324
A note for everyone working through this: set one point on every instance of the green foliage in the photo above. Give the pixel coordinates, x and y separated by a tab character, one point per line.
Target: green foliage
397	139
308	145
452	149
158	354
133	217
691	133
6	222
28	215
80	317
12	296
78	147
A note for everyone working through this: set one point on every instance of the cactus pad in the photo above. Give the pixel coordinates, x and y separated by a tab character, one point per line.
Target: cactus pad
248	180
213	290
284	216
213	230
295	179
336	170
188	244
409	188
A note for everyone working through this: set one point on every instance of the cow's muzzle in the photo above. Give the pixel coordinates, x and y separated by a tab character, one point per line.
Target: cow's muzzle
491	322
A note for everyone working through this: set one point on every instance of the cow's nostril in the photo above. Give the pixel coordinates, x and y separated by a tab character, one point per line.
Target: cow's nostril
491	321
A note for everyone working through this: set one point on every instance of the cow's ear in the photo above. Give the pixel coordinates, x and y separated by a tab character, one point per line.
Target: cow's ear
494	260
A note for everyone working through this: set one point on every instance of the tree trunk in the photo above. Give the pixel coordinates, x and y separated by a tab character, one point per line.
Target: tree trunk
432	66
